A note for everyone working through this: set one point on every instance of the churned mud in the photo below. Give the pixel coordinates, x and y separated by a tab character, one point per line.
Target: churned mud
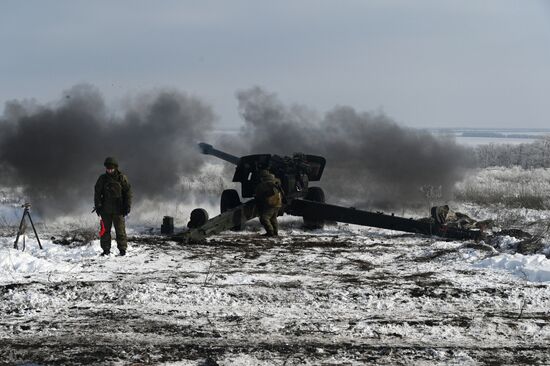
338	296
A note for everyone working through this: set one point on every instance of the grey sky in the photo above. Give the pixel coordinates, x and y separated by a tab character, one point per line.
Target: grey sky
424	63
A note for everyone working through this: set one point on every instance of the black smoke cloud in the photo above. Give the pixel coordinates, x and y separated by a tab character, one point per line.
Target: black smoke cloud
371	160
56	152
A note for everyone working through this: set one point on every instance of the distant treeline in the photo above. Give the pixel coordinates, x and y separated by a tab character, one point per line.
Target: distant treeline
499	135
528	155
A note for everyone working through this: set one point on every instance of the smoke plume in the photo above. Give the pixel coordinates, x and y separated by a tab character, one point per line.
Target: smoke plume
371	160
56	152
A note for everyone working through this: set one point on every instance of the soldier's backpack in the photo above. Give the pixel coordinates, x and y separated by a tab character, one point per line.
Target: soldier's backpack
276	199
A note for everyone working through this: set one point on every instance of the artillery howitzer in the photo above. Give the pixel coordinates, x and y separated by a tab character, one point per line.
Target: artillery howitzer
295	174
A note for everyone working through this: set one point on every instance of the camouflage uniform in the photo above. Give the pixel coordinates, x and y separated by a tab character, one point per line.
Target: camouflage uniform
113	199
269	201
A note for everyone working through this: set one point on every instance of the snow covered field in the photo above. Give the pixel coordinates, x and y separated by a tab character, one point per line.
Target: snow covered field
344	295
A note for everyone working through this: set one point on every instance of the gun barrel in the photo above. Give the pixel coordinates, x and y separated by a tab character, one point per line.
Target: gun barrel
208	149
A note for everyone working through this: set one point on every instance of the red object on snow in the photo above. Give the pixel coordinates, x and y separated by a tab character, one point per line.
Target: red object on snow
102	231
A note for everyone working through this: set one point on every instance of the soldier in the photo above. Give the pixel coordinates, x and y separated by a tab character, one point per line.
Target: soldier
268	201
113	199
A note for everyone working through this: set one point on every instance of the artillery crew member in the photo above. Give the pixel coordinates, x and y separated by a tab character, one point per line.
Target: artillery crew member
269	201
113	200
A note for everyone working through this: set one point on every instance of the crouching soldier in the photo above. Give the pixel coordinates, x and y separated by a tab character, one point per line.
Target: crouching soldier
113	199
269	201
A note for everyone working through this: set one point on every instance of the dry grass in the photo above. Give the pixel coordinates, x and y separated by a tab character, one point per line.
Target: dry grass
507	187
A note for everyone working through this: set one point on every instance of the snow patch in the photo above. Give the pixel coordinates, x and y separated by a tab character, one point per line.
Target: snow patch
532	267
53	258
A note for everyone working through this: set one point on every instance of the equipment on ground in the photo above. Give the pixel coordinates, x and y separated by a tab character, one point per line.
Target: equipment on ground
167	227
22	227
295	174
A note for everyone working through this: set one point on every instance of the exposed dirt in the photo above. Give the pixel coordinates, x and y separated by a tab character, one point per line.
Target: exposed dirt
321	299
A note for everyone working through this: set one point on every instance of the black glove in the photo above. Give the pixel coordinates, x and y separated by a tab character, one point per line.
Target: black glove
98	210
126	211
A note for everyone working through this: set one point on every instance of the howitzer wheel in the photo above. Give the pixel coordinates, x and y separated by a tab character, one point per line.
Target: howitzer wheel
199	217
229	200
315	194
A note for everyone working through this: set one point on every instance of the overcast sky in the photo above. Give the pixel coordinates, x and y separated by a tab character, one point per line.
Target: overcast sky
424	63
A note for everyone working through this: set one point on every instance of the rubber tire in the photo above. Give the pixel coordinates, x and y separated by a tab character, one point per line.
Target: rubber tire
228	201
199	217
315	194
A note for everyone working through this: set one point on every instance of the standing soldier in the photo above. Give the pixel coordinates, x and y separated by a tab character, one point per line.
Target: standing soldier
113	199
268	201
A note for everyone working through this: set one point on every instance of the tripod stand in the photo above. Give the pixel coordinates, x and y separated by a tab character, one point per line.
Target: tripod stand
22	228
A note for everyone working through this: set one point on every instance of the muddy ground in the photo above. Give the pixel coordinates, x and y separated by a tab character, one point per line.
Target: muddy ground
327	298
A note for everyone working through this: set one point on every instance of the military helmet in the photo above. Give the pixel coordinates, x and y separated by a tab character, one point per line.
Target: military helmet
110	162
